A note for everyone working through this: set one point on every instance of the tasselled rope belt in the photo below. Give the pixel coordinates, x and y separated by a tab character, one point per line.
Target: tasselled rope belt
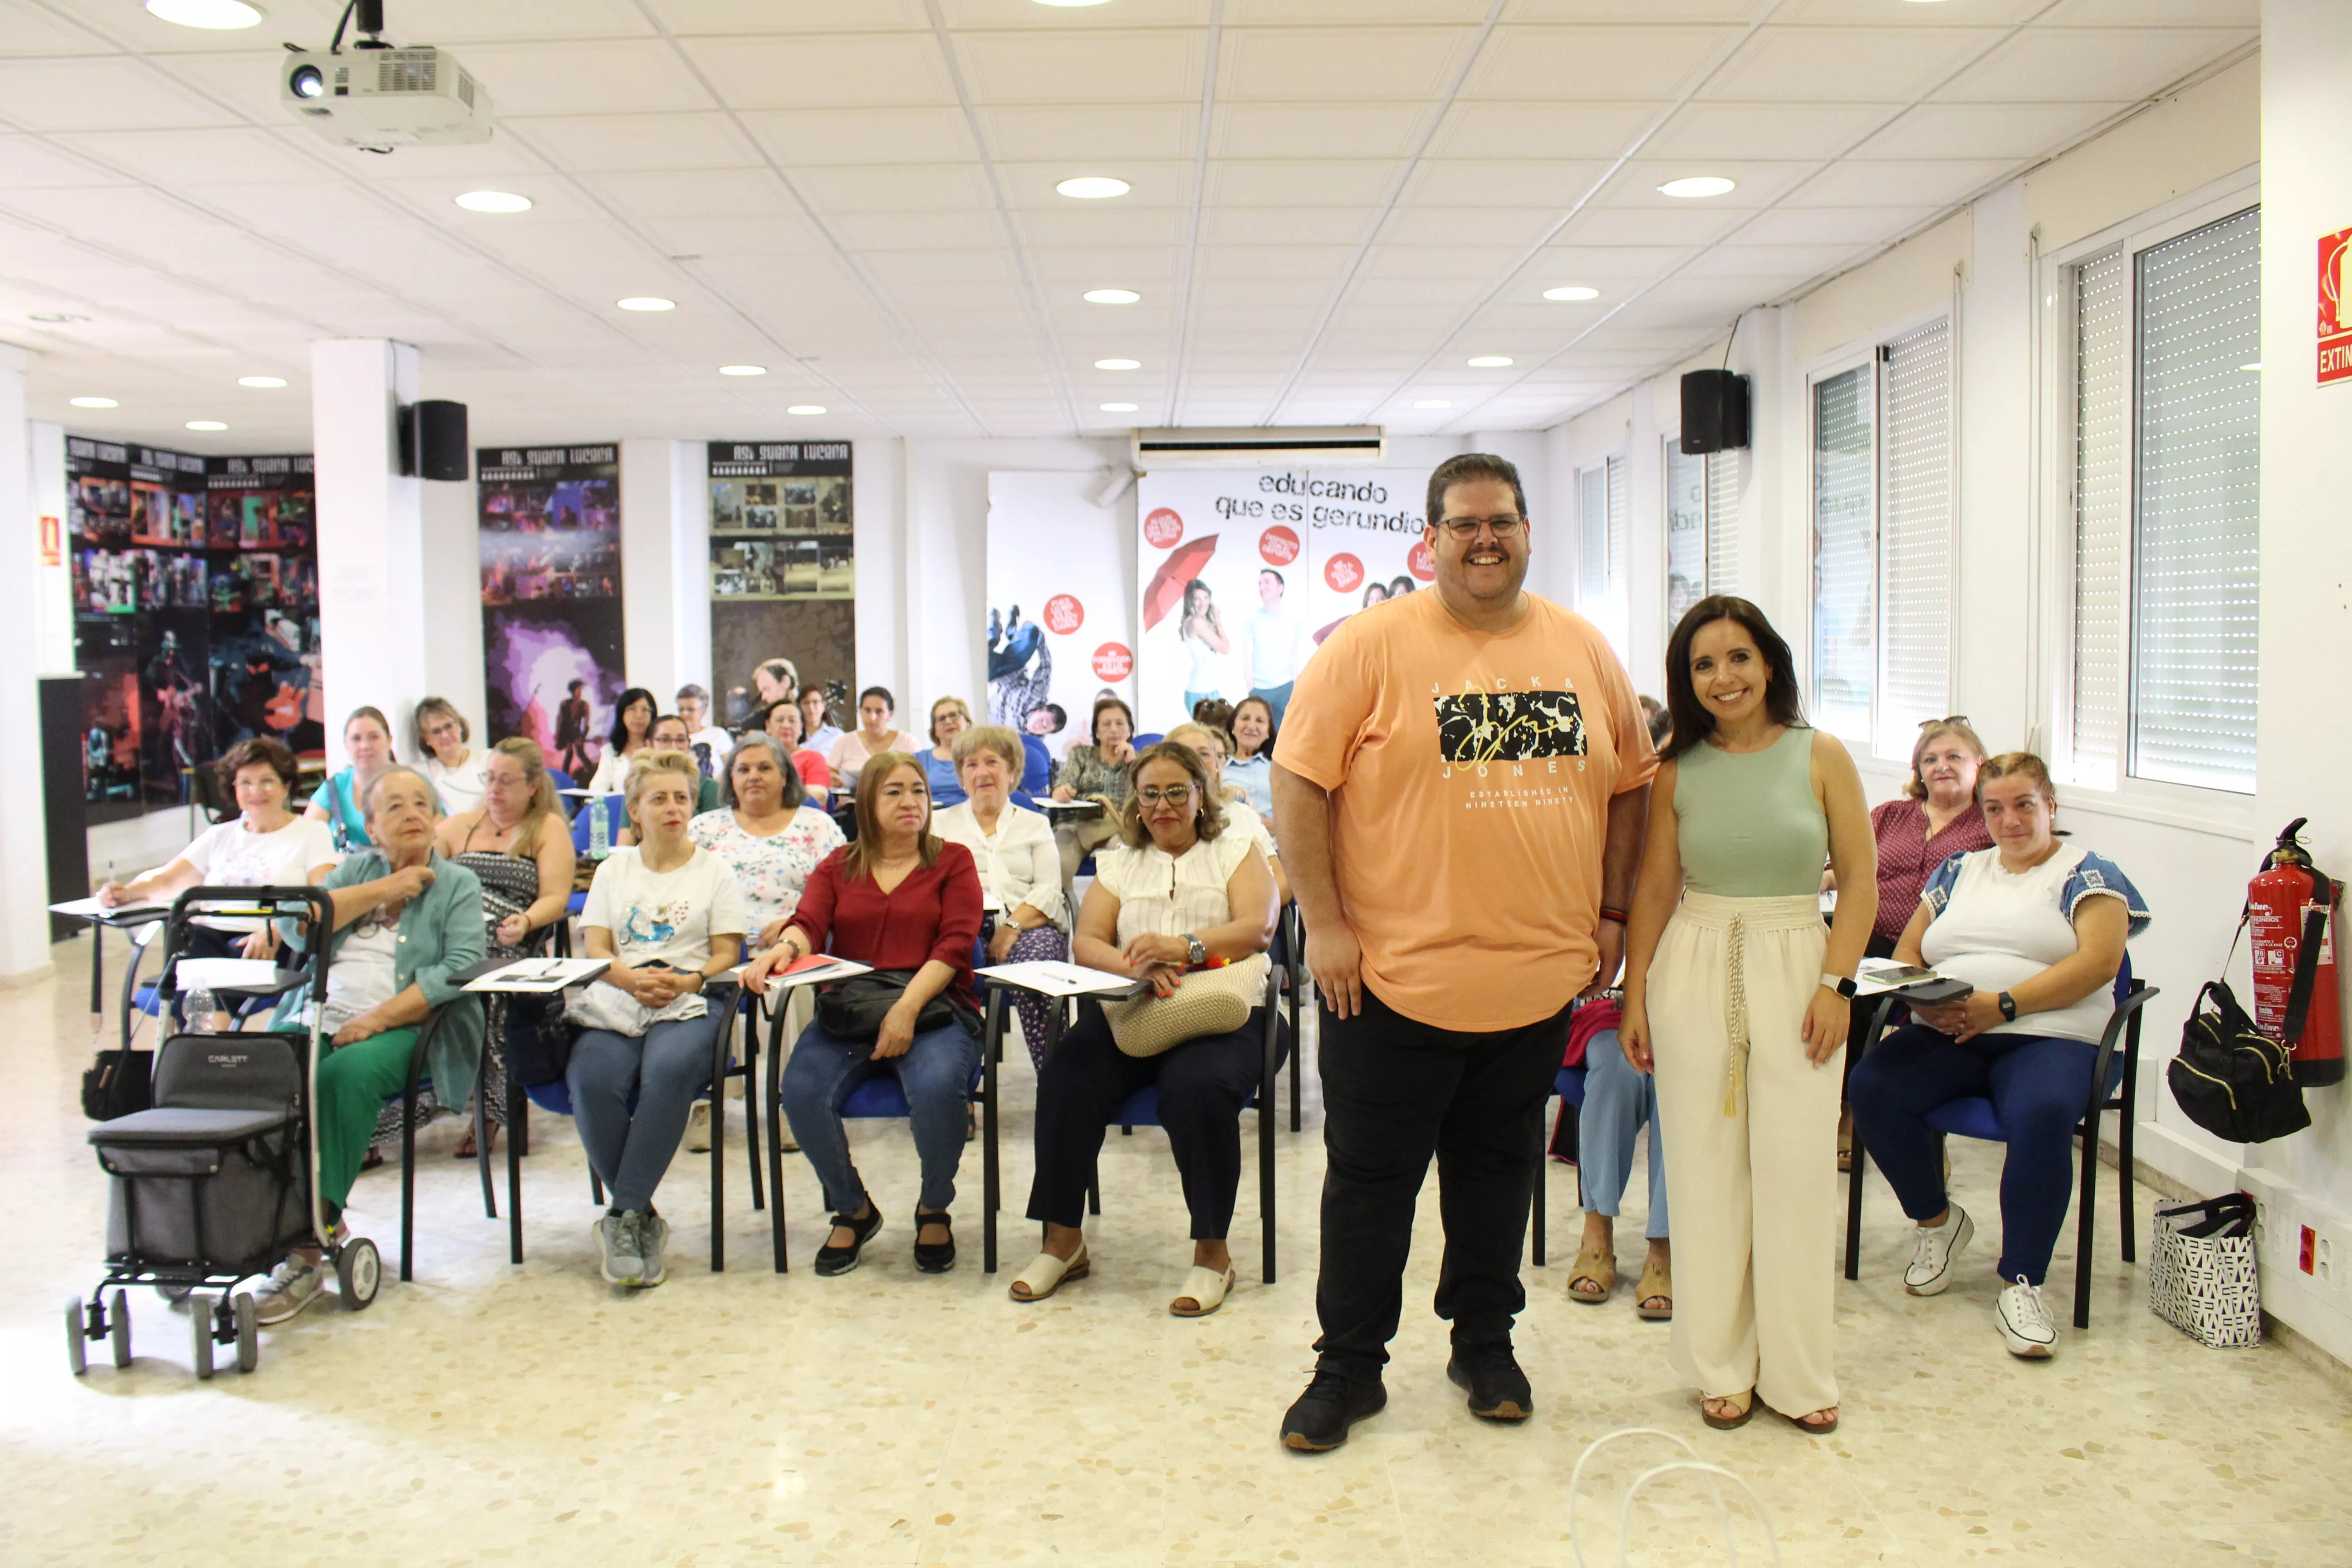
1736	918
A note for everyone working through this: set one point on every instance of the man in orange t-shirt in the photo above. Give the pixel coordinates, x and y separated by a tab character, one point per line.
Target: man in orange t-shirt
1460	792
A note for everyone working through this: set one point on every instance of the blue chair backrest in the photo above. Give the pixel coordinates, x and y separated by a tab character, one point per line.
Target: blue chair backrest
1151	739
615	819
1023	798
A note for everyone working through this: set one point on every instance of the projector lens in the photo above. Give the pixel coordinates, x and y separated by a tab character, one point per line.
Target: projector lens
306	83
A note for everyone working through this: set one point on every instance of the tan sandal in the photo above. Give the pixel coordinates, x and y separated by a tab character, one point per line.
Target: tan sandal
1204	1289
1047	1274
1806	1423
1595	1268
1728	1422
1657	1285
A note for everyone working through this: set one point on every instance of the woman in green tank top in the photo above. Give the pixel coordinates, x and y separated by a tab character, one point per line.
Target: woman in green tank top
1734	997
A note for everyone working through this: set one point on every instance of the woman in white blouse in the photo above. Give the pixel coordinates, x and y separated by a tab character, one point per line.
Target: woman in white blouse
1020	868
455	772
1180	894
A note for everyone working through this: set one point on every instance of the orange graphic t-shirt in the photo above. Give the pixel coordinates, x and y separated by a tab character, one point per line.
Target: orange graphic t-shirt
1470	775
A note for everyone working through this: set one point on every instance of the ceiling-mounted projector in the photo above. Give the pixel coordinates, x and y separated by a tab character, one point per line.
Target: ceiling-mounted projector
380	97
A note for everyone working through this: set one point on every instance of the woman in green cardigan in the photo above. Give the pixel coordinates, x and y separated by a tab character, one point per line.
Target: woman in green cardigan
406	920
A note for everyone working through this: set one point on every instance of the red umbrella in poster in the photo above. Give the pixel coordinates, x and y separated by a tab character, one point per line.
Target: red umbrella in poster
1166	590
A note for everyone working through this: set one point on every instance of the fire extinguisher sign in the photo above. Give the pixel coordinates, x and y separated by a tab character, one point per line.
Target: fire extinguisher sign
2335	314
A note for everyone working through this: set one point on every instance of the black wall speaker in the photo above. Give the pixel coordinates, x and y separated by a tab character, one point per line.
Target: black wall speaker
1714	411
433	443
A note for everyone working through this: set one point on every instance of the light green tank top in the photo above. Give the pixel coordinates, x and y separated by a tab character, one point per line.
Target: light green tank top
1748	823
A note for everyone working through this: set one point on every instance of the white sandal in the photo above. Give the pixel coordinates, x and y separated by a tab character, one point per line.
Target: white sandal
1205	1289
1047	1274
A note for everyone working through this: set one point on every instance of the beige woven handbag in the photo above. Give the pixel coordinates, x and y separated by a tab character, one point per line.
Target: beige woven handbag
1207	1002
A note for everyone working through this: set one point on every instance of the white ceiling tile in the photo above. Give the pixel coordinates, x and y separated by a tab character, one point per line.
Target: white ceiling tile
1160	185
1323	182
1558	183
2012	130
1097	64
1541	129
900	135
1060	132
1284	65
1461	257
1128	226
453	22
1588	264
617	76
1757	184
1704	130
1477	227
1943	14
694	193
1853	185
2157	12
1026	14
1833	64
2066	64
1548	64
99	95
1833	226
1242	262
593	143
1745	260
1280	226
892	188
188	156
917	231
813	70
31	160
1316	129
1606	226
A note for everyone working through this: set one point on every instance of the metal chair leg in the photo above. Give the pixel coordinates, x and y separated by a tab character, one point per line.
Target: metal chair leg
751	1122
719	1050
772	1107
482	1152
1854	1164
2084	1226
991	1048
518	1116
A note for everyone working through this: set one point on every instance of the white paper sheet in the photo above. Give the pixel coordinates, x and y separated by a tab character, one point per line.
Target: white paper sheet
225	974
1051	977
542	976
92	910
815	970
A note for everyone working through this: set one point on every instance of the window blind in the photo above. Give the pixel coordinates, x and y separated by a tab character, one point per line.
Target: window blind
1844	554
1686	531
1617	616
1915	535
1724	478
2197	479
2102	515
1592	540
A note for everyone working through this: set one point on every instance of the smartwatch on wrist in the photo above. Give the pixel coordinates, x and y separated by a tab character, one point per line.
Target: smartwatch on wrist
2007	1007
1842	984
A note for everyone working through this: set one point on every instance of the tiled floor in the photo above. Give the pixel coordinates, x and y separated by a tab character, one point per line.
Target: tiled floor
488	1414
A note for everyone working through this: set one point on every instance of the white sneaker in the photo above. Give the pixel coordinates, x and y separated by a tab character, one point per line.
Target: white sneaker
1933	1253
2025	1321
291	1286
697	1127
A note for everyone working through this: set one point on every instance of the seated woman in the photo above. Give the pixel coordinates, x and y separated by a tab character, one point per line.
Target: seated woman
455	769
819	734
1020	868
1209	745
342	800
264	845
633	725
670	735
1179	893
669	916
904	901
1097	770
2039	929
1038	766
782	723
1618	1099
950	717
516	845
406	920
1253	765
875	735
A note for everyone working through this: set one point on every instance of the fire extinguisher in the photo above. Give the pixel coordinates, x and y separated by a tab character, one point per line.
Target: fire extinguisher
2290	904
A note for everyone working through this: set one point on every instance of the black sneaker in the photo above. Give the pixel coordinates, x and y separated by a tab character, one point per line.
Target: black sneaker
1319	1418
1487	1370
831	1260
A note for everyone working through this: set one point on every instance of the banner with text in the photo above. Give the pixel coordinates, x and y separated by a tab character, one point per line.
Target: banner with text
783	573
1059	633
551	632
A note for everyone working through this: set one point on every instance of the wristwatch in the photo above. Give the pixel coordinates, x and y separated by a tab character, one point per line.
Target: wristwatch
1842	984
2008	1007
1196	952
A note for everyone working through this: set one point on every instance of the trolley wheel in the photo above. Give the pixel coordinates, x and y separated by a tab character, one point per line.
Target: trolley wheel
357	1271
117	1323
249	1332
200	1333
77	1353
175	1294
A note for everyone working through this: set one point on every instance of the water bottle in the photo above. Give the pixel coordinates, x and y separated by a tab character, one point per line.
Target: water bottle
198	1009
600	831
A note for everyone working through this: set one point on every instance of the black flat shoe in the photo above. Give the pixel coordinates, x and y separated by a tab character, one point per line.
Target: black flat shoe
832	1260
1490	1374
1317	1421
935	1257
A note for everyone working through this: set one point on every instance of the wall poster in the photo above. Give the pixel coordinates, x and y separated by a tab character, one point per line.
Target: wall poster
552	633
196	614
1060	626
783	571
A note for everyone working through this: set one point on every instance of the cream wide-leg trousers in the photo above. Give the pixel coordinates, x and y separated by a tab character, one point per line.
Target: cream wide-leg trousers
1750	1132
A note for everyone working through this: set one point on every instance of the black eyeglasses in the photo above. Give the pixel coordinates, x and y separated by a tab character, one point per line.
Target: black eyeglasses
1468	527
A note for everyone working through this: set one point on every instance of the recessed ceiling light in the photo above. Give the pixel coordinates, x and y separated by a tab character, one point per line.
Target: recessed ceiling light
1697	185
93	402
261	380
1434	403
1118	364
494	201
206	425
1093	187
1107	407
207	13
742	370
55	316
646	303
1572	292
1490	362
805	408
1112	296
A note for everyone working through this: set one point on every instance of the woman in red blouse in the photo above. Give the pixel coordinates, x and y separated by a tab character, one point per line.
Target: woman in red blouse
899	898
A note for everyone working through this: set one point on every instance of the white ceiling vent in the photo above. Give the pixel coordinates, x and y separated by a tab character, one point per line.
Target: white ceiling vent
1247	447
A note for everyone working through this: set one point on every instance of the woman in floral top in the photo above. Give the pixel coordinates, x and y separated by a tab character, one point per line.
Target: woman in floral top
1095	772
767	833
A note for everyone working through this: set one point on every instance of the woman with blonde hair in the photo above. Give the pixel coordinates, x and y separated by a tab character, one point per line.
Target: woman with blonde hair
949	716
454	770
1020	868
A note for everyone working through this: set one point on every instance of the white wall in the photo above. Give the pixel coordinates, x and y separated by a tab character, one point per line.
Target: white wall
53	644
23	856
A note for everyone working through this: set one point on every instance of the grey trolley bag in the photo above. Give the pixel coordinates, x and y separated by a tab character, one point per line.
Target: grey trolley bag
218	1181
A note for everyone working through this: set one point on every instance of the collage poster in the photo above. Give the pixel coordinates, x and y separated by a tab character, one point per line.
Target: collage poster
552	632
783	572
196	602
1060	633
1241	574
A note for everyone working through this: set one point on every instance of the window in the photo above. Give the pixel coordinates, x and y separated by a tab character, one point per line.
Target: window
1702	527
1602	522
1883	542
2168	418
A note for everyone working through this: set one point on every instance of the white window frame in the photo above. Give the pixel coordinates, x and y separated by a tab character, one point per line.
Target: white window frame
2199	808
1715	524
1608	604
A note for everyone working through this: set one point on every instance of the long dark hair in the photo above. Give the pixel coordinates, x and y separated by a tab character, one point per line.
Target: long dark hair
1692	723
635	694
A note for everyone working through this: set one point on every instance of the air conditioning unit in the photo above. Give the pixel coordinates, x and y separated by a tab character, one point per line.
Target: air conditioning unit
1244	447
386	98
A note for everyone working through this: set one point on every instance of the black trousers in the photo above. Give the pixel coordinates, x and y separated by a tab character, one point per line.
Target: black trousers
1394	1092
1203	1085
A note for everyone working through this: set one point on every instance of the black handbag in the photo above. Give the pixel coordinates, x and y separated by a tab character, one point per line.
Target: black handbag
118	1084
538	1040
853	1009
2232	1079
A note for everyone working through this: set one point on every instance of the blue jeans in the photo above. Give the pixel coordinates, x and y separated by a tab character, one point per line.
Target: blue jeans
936	1074
1617	1102
662	1070
1276	698
2038	1086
